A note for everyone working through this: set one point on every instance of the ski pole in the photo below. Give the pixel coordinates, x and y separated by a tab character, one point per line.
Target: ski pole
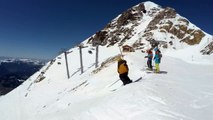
120	52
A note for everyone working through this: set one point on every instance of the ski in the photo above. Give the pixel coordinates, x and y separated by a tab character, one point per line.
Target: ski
134	81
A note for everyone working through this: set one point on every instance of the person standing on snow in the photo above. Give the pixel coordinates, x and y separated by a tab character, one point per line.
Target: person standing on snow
155	49
157	60
149	60
123	71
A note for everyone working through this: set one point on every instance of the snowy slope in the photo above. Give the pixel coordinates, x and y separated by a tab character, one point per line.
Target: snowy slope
182	92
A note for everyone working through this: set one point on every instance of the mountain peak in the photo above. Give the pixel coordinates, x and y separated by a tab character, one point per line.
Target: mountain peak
150	4
148	23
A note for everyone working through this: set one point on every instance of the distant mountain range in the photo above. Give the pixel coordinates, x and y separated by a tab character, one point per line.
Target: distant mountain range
33	60
13	71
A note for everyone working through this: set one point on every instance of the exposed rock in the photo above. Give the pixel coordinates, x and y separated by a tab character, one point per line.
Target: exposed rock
140	7
153	11
90	40
121	29
170	13
125	18
184	20
162	30
172	37
137	44
180	33
178	30
108	26
153	42
165	46
165	14
208	49
117	31
99	37
166	26
183	28
197	37
113	40
189	31
170	42
130	15
148	34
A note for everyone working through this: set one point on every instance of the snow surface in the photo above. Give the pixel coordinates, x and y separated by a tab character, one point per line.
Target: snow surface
183	91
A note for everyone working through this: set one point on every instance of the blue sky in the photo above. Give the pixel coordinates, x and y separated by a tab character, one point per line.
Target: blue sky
41	28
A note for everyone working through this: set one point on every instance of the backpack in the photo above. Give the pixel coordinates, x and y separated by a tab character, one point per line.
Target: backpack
160	56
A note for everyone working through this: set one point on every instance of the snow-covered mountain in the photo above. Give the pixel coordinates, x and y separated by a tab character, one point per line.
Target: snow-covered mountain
182	92
163	26
13	71
24	60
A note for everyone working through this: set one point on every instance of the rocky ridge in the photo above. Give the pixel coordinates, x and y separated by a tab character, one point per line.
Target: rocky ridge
164	21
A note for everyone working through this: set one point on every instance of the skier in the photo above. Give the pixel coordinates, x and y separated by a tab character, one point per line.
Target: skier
149	60
157	49
123	71
157	60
